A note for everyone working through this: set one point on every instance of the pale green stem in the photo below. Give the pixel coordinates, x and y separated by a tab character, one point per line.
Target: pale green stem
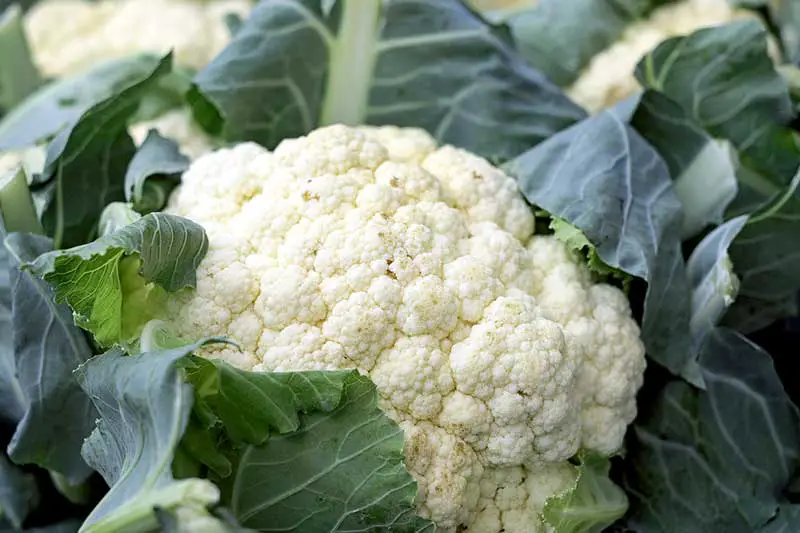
352	62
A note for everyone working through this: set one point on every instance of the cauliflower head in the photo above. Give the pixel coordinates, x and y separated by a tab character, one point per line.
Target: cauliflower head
609	77
67	36
372	248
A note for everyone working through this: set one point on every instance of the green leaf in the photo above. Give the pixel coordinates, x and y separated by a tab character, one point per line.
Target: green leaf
356	479
702	168
726	82
18	493
295	65
604	179
560	38
116	283
594	503
153	172
319	435
18	75
57	415
144	404
86	163
715	461
252	404
713	281
576	240
61	103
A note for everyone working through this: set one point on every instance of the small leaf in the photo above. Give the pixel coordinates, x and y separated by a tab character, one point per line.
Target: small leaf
157	158
115	284
253	404
594	503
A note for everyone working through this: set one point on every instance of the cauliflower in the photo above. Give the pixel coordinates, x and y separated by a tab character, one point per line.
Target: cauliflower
609	77
372	248
70	36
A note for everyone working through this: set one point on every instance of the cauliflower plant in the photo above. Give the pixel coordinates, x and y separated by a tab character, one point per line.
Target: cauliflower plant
609	77
372	248
70	36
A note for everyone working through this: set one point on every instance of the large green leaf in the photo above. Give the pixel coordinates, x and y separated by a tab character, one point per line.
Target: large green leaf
61	103
47	348
321	440
716	461
603	178
116	283
295	65
144	404
86	162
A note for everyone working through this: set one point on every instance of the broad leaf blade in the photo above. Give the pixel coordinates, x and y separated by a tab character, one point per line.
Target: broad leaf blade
434	65
144	404
114	284
86	162
47	348
722	456
603	178
356	480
